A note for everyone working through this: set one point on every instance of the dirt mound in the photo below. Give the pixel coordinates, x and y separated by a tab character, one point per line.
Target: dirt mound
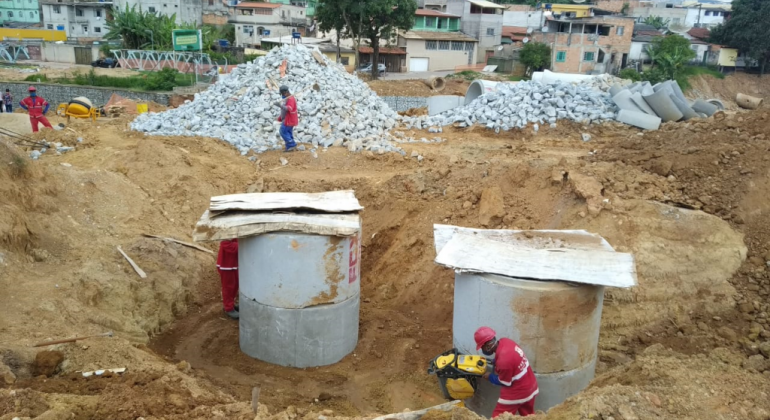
16	122
707	87
417	87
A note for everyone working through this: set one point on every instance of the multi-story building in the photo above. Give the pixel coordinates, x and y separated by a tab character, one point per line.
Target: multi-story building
83	21
585	40
19	11
706	15
309	5
435	42
186	11
217	12
481	20
255	20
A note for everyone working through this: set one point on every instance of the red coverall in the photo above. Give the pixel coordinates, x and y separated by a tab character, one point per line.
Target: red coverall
35	106
227	265
519	385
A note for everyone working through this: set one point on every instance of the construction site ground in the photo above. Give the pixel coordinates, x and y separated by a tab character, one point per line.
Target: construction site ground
689	201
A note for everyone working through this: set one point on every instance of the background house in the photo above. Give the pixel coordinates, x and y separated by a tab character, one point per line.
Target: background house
19	11
216	12
186	11
435	42
256	20
586	40
482	20
82	21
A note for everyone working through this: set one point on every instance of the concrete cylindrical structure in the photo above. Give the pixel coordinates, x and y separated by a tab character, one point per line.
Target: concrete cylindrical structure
555	323
299	297
478	88
748	102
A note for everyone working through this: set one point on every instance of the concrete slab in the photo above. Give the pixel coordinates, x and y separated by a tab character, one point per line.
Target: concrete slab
441	103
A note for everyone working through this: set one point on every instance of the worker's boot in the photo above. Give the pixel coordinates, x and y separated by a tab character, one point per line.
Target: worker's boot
233	314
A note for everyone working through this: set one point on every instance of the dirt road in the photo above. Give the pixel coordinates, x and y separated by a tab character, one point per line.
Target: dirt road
687	201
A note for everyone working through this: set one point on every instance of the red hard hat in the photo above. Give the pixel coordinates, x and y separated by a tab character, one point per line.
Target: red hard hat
482	335
32	89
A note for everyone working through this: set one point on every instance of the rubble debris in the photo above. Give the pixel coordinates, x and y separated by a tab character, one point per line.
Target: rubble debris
101	372
240	109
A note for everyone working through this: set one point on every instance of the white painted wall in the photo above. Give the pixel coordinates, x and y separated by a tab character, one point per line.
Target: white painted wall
529	19
713	18
90	24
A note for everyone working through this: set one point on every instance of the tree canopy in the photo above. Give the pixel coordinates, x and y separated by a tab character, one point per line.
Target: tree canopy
369	19
656	21
747	30
535	55
671	54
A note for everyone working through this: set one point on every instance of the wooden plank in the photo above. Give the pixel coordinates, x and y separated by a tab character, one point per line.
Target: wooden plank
474	254
242	224
138	270
332	201
198	247
536	239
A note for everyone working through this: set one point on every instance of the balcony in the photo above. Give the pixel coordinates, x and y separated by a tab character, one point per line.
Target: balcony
294	21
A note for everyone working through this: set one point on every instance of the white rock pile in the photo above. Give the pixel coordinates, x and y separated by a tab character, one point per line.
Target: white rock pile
517	105
239	109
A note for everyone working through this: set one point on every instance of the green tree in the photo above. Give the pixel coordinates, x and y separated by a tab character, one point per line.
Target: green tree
748	30
370	19
138	29
536	56
671	54
656	21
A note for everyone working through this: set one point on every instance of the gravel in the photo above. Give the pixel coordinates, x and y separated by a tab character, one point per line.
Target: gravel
239	109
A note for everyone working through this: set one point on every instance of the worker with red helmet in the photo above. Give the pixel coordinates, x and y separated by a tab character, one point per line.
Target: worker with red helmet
37	107
512	372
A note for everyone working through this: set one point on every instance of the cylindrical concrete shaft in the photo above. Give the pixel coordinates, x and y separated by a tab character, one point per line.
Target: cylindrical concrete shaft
308	337
661	102
299	270
623	101
639	119
683	107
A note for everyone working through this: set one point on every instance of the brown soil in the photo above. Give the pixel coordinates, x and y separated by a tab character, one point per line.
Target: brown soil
708	87
417	87
688	201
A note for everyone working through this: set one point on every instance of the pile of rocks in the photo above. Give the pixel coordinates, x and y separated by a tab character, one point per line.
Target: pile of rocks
335	108
517	105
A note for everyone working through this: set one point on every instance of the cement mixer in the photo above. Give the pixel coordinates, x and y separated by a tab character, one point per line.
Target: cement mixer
79	107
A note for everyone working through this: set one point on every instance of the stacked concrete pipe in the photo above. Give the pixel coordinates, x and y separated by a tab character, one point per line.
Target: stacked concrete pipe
645	106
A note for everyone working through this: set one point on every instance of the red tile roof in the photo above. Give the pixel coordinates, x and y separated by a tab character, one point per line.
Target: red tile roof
649	33
700	33
510	31
434	13
259	5
383	50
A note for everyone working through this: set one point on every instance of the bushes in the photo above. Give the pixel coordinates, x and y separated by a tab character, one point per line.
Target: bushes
163	80
630	74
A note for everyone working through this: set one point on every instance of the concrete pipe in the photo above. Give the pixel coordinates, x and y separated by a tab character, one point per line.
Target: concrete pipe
550	77
717	103
678	91
315	336
748	102
615	89
435	83
683	107
623	101
555	342
637	99
299	297
664	107
639	119
704	107
647	89
481	87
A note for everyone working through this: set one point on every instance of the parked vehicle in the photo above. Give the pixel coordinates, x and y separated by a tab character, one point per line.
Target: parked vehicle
367	68
107	63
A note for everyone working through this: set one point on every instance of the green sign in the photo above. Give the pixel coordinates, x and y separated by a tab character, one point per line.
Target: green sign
186	39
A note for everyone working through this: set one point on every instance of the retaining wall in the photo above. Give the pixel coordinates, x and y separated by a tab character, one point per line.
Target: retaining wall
56	94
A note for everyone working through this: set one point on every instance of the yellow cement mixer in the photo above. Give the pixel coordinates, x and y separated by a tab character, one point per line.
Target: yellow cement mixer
80	107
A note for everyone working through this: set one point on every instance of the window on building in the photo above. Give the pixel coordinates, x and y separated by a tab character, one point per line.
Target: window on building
260	31
491	31
443	45
430	22
470	46
165	5
10	14
151	9
620	30
248	29
98	13
49	26
457	45
561	56
211	2
345	61
263	11
708	13
57	9
589	56
78	12
97	29
85	29
430	45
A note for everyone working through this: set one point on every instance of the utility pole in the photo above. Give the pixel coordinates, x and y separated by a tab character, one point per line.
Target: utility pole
700	10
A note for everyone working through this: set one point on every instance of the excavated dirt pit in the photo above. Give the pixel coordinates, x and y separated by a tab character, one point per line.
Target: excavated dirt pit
676	346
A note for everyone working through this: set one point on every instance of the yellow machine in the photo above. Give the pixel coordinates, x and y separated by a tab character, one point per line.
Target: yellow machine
457	373
80	107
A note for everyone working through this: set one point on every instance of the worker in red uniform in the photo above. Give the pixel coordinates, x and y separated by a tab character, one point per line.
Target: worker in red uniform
37	107
512	372
289	117
227	265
